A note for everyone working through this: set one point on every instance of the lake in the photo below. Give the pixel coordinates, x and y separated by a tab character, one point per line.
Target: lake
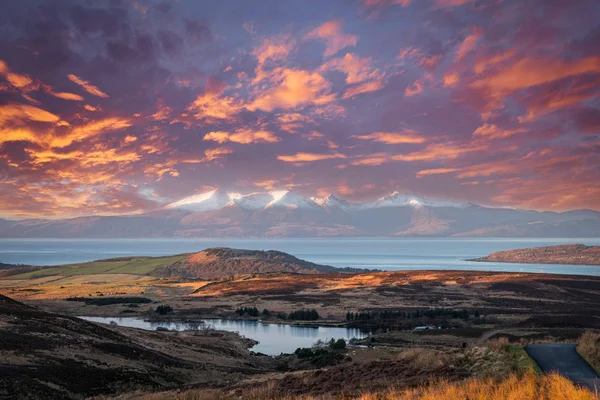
273	339
381	253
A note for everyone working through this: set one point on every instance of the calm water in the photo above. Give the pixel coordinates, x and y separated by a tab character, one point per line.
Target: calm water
273	339
381	253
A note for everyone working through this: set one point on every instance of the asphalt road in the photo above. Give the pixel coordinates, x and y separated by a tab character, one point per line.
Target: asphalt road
564	359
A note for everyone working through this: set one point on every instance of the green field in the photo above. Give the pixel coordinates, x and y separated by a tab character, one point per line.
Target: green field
133	265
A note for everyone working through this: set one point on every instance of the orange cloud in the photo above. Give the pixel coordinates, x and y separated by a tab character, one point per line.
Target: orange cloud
211	106
273	49
92	108
494	132
439	151
555	100
363	88
407	137
294	88
530	72
357	69
219	152
416	88
67	96
436	171
467	45
21	112
243	136
88	130
308	157
87	86
451	79
483	64
335	40
269	184
371	159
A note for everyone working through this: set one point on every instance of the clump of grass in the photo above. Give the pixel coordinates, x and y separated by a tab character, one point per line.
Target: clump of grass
588	346
419	358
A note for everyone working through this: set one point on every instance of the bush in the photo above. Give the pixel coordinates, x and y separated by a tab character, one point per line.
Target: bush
164	309
266	312
250	311
339	344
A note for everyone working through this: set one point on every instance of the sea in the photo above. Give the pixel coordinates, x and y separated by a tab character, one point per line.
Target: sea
389	254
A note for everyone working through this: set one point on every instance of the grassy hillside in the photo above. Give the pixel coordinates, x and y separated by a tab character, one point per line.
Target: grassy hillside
128	265
220	262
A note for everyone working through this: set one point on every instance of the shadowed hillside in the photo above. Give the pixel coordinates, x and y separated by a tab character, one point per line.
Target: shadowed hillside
221	262
48	355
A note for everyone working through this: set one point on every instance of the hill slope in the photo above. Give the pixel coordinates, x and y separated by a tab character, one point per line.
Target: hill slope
221	262
577	254
48	355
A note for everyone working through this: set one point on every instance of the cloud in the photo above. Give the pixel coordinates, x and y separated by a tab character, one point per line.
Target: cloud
494	132
293	88
406	137
451	79
211	106
357	69
243	136
529	72
87	86
335	40
467	45
415	89
67	96
371	159
309	157
271	50
90	129
269	184
19	113
366	87
439	151
436	171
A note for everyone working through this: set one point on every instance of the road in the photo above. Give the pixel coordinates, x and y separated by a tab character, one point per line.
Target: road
564	359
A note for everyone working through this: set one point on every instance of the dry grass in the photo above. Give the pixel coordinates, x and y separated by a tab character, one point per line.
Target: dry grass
588	346
528	386
421	359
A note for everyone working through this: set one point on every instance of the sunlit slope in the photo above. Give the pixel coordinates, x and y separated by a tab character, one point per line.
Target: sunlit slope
128	265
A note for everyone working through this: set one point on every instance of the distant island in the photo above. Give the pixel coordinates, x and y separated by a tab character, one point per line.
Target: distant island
576	254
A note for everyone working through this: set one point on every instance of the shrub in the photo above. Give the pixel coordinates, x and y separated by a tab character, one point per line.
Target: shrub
339	344
250	311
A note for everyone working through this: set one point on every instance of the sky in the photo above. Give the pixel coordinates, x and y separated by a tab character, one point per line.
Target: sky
122	106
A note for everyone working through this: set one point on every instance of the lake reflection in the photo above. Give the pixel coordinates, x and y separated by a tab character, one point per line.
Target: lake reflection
273	339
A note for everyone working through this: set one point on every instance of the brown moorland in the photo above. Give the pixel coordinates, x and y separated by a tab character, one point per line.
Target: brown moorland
575	254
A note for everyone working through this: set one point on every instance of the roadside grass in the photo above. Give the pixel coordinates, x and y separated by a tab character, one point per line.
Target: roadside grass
526	386
588	347
135	266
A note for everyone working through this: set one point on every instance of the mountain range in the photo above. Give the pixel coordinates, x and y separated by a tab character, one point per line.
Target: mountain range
287	214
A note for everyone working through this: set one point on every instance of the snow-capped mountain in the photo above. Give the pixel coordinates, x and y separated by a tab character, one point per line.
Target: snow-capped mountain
396	199
213	200
253	201
218	213
290	200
